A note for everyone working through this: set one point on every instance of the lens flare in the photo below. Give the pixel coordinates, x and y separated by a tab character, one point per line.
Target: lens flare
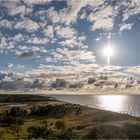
108	51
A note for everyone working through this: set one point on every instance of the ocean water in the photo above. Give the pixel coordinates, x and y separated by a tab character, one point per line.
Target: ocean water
126	104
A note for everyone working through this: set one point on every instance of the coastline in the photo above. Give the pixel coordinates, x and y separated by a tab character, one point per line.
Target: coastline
90	118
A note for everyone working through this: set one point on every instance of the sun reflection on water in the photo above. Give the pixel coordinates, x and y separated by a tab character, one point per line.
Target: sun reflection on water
111	102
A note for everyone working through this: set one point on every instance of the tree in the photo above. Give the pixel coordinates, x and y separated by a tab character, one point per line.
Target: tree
17	112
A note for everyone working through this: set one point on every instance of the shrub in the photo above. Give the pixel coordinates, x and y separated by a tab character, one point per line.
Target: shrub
78	111
17	112
132	130
39	132
68	134
16	128
80	127
8	121
106	132
60	125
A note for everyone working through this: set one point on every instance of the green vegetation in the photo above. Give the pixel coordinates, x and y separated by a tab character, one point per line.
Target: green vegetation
14	120
53	110
68	134
106	132
128	131
39	132
58	120
23	98
60	125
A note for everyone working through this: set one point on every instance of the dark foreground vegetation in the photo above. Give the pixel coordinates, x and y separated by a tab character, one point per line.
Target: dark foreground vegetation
23	98
59	120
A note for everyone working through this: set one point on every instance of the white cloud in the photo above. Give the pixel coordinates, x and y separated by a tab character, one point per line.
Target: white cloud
23	48
9	65
5	44
54	28
69	15
6	23
126	27
74	42
103	18
49	31
132	8
37	40
27	24
134	69
76	55
18	37
15	7
37	1
35	49
66	32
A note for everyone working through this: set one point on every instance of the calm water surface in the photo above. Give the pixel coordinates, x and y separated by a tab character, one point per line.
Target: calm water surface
126	104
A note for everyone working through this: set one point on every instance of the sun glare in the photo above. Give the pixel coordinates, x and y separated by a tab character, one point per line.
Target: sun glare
112	102
108	51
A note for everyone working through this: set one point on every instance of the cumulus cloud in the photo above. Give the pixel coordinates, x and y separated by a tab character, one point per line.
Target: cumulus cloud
25	54
5	44
76	55
132	9
49	31
37	1
69	15
15	7
103	19
27	24
18	37
38	41
27	31
126	27
9	65
66	32
6	23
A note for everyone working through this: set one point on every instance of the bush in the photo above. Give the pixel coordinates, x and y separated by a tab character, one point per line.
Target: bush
60	125
39	132
78	111
132	130
17	112
52	110
8	121
80	127
15	128
68	134
106	132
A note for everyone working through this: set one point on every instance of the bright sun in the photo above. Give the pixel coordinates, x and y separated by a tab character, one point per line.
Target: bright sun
108	51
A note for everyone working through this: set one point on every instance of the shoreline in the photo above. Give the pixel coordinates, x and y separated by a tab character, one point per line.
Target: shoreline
90	118
65	102
59	100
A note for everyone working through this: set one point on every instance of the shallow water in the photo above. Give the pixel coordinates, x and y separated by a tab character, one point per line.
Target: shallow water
126	104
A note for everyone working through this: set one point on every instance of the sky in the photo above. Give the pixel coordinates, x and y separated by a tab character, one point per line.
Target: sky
68	35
